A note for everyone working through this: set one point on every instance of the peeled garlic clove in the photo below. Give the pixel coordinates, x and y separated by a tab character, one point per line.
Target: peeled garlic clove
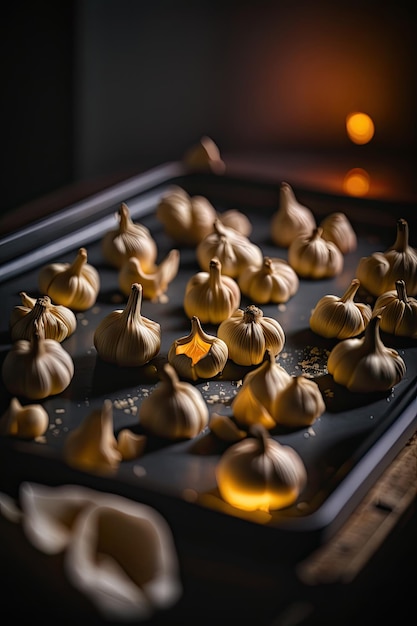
291	220
300	403
154	282
313	257
259	473
205	156
56	321
338	229
198	354
274	281
92	446
27	422
75	285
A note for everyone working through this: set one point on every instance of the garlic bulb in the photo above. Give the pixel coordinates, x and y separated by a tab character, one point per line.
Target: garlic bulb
291	220
174	409
340	318
205	156
198	355
232	218
155	281
379	271
75	285
311	256
187	220
299	404
398	312
255	401
55	321
274	281
337	228
127	240
259	473
366	365
234	251
37	368
125	337
27	422
211	296
92	446
248	334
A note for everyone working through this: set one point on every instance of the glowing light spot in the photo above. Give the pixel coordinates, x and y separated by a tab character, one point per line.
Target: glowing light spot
360	128
356	182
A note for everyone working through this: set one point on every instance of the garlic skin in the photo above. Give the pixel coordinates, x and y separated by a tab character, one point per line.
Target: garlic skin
26	422
198	354
255	401
274	281
211	296
291	220
125	337
299	404
366	365
234	251
119	553
340	317
205	156
37	368
92	446
313	257
74	285
259	473
337	228
55	321
127	240
248	334
155	282
379	271
175	409
186	219
397	312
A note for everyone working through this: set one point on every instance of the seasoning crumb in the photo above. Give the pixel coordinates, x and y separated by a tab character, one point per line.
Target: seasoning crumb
139	470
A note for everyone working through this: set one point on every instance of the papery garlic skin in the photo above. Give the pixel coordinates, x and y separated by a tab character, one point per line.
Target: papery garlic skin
128	240
55	321
127	338
198	354
366	364
92	446
299	404
291	220
37	368
155	282
248	334
234	251
175	409
274	281
397	312
259	473
74	285
337	228
255	400
26	422
186	219
211	296
340	317
313	257
379	271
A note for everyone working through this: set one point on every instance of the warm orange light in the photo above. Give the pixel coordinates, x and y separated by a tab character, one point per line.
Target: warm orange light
195	349
360	128
356	182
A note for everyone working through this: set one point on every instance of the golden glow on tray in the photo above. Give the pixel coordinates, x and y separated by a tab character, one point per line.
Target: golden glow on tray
356	182
360	127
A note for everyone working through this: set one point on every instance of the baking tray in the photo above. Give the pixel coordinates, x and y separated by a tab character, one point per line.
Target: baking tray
344	451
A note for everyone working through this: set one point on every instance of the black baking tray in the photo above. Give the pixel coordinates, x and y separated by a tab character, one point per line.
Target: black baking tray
344	451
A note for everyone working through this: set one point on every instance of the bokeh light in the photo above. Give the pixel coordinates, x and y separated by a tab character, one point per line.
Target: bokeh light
356	182
359	127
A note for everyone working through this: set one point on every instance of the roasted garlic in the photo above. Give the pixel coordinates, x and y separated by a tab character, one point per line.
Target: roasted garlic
198	354
273	281
340	317
397	311
75	285
313	257
291	220
155	282
55	321
248	334
125	337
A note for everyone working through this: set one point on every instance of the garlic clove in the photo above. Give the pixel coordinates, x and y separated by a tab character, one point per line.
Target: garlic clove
154	282
27	422
291	220
205	156
130	445
338	229
274	281
225	429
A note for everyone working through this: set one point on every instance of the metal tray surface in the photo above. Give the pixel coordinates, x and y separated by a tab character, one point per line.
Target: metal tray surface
344	451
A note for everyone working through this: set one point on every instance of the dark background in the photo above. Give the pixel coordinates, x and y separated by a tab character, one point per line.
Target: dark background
96	88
